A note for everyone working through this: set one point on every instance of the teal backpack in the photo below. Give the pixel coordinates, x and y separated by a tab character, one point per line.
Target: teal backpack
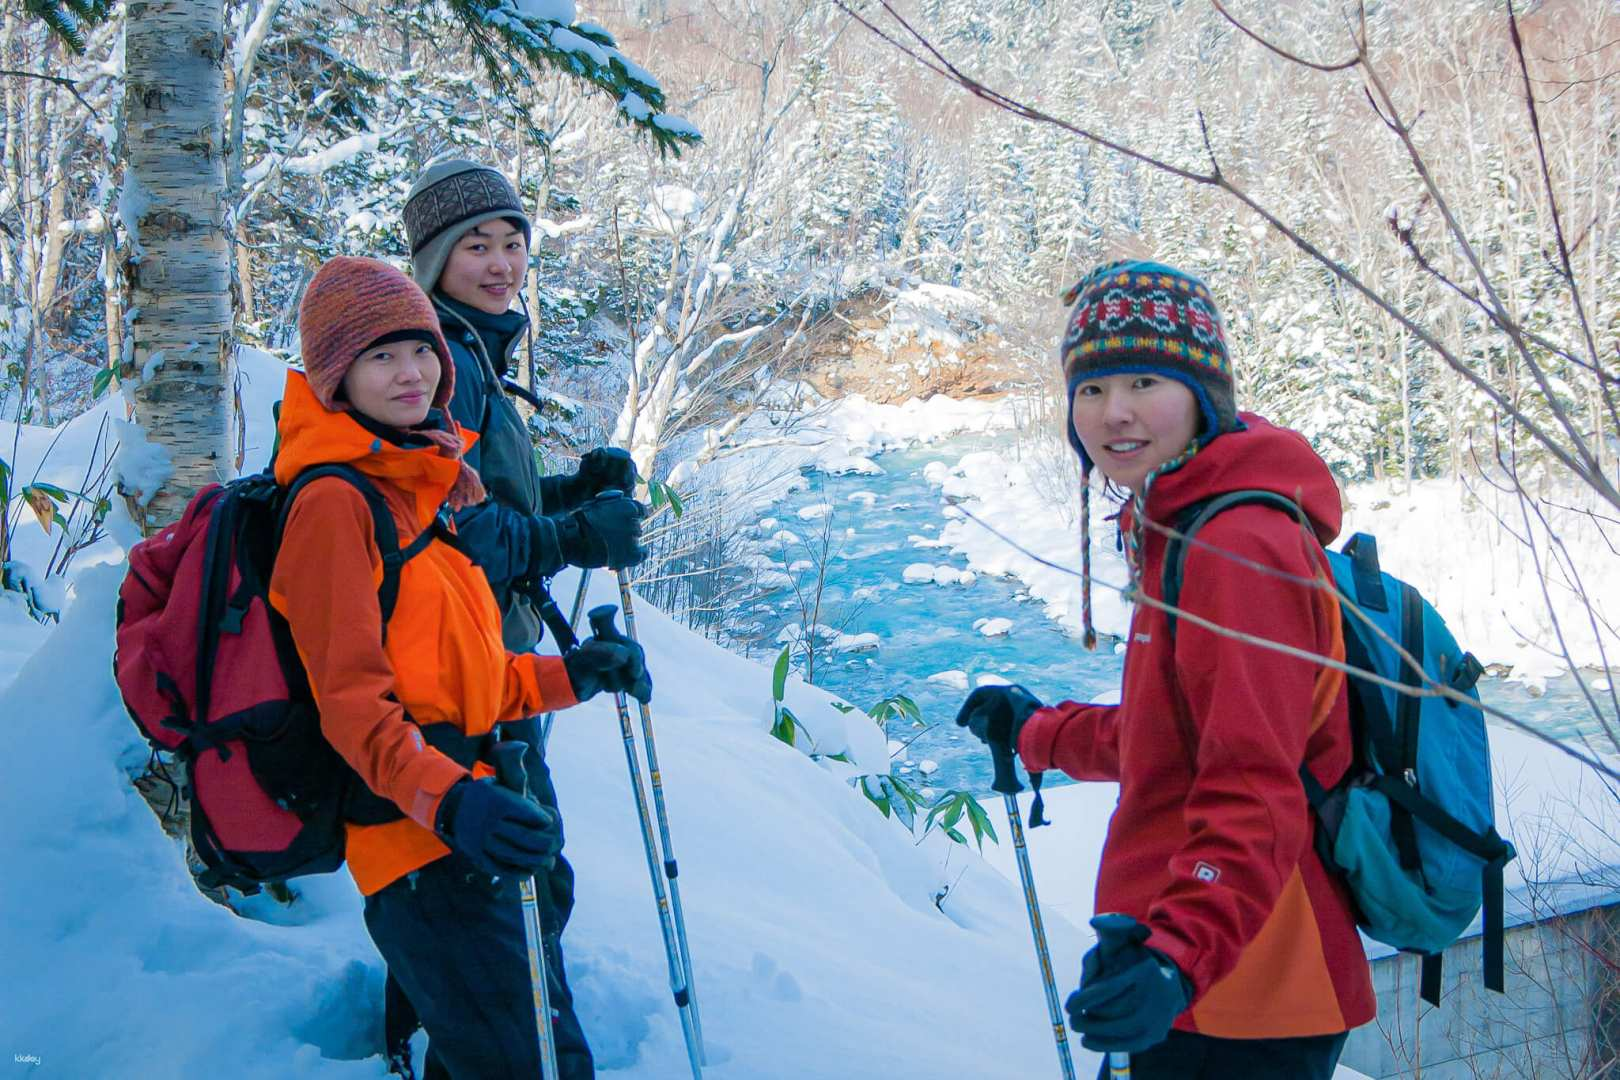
1410	827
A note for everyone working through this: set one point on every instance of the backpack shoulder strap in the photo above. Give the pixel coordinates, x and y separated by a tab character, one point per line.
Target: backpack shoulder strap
382	522
1194	518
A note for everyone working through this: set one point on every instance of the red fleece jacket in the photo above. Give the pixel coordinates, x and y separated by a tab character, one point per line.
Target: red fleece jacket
1210	843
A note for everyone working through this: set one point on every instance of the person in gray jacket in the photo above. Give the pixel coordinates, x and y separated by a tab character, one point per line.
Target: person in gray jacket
469	241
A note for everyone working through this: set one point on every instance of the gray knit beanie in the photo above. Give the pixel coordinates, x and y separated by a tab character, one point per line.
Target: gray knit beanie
452	196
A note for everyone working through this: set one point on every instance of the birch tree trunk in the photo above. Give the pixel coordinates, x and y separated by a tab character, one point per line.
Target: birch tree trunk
178	268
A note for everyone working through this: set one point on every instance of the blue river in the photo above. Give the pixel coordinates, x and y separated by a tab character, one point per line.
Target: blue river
925	629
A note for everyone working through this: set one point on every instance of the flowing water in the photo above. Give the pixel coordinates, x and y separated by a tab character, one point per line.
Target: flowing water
867	539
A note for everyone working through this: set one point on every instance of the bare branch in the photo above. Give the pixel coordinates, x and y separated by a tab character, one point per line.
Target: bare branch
1343	65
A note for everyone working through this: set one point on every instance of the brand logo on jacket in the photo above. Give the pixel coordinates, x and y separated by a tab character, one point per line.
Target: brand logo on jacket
1206	873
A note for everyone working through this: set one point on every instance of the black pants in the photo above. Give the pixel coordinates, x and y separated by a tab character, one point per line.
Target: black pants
448	932
1185	1056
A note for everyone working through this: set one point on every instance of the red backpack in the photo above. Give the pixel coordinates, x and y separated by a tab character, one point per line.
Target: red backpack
208	671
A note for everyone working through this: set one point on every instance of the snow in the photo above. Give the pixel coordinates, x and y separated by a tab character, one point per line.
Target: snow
918	573
570	42
991	679
1485	582
993	627
319	161
671	204
956	679
815	511
142	467
633	106
133	203
677	126
555	11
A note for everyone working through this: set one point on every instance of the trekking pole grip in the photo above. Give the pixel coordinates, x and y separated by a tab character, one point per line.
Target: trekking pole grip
509	771
1006	780
602	621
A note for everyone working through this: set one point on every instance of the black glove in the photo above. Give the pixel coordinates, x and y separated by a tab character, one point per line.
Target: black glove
609	663
604	532
996	714
1129	994
499	832
607	468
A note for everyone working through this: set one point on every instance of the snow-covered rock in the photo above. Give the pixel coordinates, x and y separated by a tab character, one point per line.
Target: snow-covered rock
920	573
955	679
993	627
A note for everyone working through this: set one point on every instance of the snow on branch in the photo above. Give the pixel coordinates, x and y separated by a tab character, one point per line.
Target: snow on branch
543	32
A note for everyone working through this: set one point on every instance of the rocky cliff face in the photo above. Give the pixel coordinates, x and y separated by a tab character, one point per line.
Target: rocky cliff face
892	343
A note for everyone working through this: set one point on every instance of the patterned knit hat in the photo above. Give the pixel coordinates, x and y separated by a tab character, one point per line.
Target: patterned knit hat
448	199
352	304
1131	317
1147	317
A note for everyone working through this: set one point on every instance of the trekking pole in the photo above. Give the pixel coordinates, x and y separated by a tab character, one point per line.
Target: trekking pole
573	622
671	870
1006	782
509	773
601	619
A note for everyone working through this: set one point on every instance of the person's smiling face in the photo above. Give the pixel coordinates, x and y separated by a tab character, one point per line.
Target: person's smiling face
1132	423
393	383
485	268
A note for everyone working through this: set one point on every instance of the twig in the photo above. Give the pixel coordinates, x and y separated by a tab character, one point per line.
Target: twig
1343	65
59	80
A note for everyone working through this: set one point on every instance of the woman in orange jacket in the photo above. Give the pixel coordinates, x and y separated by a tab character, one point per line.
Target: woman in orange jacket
414	705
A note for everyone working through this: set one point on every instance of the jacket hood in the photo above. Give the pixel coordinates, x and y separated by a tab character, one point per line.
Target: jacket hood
1260	456
312	434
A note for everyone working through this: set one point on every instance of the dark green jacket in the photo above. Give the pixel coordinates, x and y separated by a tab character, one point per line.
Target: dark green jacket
509	534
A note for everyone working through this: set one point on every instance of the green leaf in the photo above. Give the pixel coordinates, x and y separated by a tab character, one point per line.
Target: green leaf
779	676
783	727
954	835
676	504
103	379
843	757
843	707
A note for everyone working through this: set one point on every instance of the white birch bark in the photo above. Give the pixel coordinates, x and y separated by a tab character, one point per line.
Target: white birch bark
179	266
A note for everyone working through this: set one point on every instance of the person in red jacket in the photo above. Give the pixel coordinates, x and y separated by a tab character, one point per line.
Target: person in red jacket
435	845
1225	948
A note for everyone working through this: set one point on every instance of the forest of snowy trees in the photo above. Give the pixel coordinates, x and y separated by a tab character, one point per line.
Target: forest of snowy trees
829	163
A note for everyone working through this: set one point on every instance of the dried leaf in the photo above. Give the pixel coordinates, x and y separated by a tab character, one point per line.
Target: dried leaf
43	506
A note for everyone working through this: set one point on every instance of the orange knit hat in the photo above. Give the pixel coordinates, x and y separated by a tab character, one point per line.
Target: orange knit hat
351	303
